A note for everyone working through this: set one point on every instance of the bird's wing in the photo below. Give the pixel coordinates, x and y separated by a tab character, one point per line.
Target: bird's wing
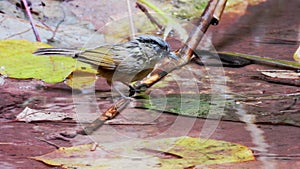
103	56
99	57
130	58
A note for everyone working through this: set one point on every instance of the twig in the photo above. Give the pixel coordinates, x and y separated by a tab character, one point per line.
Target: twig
218	12
37	36
291	105
276	80
264	60
185	52
48	142
227	60
131	21
16	34
153	7
112	112
57	26
150	17
280	156
168	22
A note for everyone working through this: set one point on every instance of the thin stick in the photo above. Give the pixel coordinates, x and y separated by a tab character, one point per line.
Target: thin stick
131	21
48	142
110	113
185	52
16	34
153	7
37	36
150	17
218	12
58	24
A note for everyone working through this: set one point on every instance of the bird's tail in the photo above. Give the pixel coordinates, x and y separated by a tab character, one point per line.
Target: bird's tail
57	51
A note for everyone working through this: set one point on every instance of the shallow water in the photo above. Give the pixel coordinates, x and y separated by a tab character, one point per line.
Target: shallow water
270	29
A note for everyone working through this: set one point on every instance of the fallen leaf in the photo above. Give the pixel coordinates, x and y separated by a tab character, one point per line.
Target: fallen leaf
297	55
179	152
29	115
283	74
203	106
17	61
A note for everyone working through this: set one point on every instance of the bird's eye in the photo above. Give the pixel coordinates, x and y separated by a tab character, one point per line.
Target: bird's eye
153	40
161	44
167	48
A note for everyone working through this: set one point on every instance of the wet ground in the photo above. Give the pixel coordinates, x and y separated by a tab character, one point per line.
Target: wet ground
270	29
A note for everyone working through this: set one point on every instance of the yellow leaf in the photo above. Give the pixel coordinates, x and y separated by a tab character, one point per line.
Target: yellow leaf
167	153
17	61
297	55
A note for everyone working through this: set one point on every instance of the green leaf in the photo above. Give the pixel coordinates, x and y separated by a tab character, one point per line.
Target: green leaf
208	107
17	61
194	105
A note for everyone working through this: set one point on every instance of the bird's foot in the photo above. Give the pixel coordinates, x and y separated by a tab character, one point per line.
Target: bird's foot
133	90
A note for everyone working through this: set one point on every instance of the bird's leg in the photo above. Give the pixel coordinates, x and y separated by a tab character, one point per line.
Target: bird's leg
131	93
121	93
132	90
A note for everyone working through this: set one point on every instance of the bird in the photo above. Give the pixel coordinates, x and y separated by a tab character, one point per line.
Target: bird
124	62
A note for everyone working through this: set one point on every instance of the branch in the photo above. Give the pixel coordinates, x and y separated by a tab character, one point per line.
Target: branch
110	113
218	12
186	51
131	20
185	54
37	36
150	17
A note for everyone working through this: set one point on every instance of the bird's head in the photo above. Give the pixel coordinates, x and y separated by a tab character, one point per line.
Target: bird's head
157	46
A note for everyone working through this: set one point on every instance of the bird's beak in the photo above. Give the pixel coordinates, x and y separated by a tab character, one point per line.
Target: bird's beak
173	56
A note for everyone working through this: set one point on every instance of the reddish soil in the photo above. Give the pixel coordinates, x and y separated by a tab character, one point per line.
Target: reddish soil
270	29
